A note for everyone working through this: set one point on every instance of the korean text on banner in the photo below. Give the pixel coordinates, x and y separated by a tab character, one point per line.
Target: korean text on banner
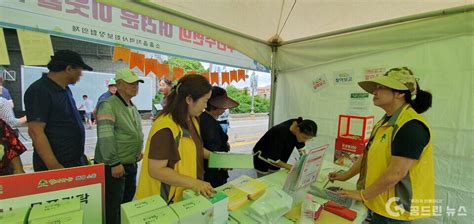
85	183
104	24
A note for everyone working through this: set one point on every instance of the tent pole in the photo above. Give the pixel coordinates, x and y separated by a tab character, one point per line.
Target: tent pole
274	75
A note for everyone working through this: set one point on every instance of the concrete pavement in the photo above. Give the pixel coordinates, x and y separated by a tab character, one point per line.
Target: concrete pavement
244	132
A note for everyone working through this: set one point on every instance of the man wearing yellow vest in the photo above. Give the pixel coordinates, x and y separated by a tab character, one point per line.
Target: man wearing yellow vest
174	153
396	180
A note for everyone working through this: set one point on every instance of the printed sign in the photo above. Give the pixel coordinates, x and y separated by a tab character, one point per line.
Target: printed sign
90	21
344	77
371	73
86	183
359	103
305	170
320	83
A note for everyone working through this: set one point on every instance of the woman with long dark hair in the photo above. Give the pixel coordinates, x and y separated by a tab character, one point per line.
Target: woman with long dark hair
174	154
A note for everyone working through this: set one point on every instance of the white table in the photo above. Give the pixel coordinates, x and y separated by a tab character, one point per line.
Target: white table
278	179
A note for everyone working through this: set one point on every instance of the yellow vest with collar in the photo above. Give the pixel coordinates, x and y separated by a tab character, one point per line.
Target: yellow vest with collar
417	188
187	165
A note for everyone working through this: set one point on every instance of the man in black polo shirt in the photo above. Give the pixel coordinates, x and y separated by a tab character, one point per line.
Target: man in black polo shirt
54	123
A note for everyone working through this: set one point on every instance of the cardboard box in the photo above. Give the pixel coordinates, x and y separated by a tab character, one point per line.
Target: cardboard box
138	207
164	215
219	201
16	216
196	210
46	210
188	194
220	213
76	217
347	152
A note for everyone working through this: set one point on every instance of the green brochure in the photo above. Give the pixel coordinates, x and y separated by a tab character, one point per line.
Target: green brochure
194	210
231	160
138	207
164	215
67	218
54	208
16	216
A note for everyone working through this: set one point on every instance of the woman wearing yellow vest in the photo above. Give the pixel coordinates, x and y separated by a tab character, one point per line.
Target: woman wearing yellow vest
396	180
174	153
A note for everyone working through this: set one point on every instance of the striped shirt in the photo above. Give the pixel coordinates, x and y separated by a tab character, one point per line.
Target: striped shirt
6	113
119	132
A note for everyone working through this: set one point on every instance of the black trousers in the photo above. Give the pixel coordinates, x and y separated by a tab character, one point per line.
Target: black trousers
216	177
118	191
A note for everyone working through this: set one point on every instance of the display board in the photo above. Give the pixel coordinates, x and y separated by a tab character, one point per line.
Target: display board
86	183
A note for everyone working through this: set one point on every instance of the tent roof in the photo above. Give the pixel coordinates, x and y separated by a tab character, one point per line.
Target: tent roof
250	25
263	19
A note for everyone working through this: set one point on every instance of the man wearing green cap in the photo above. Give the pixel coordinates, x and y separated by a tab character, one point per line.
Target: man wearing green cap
119	143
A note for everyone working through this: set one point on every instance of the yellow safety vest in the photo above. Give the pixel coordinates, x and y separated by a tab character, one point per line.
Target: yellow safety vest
417	188
187	165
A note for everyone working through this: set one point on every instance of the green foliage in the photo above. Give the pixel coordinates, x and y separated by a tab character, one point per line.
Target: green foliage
261	105
186	64
157	98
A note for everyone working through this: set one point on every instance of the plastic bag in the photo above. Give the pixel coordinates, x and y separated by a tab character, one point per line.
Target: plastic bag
271	206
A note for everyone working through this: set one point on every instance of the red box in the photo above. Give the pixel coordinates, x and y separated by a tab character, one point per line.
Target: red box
348	151
355	128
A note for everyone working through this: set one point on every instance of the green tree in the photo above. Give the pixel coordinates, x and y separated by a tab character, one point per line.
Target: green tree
261	105
186	64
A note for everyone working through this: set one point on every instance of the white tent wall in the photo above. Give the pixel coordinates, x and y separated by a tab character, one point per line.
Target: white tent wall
323	50
445	67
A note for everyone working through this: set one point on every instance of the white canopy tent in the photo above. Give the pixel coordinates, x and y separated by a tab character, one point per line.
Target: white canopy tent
253	25
309	40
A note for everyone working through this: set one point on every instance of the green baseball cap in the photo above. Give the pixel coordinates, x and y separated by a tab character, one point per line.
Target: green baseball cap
111	82
127	75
